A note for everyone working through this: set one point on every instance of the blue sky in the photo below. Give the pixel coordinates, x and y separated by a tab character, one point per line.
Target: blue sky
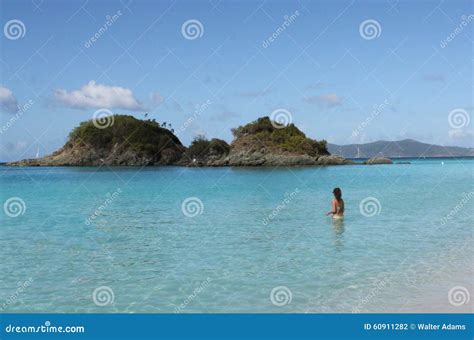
337	81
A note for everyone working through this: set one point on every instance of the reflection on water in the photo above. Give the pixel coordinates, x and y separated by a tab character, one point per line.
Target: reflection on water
338	228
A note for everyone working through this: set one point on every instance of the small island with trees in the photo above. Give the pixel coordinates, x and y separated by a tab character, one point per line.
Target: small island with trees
129	141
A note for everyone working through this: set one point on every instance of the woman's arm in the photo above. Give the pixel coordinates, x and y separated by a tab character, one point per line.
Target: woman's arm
333	211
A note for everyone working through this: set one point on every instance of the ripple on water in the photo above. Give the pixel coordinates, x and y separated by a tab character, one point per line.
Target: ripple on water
155	258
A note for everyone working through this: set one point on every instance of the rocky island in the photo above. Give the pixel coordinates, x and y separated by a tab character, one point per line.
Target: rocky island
133	142
128	141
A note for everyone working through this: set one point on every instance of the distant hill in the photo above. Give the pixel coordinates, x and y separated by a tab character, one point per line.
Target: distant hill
393	149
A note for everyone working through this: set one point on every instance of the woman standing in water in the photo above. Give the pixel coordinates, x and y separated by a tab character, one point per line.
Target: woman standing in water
337	204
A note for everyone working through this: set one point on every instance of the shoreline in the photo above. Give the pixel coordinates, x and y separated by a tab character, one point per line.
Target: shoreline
7	164
431	288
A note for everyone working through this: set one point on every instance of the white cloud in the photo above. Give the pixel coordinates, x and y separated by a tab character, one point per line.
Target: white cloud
329	100
93	95
157	98
8	102
461	134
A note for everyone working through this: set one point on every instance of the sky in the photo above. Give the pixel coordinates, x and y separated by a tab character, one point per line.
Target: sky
344	71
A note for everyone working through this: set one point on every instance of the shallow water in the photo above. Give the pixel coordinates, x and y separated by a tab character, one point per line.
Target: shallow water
257	229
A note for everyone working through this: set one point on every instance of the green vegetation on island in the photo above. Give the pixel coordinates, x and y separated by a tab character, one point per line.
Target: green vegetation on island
278	138
125	140
145	136
202	151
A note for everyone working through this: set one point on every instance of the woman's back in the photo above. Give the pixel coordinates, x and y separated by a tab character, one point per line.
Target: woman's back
340	206
337	210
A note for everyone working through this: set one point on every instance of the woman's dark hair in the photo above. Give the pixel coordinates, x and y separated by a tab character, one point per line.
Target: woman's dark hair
337	193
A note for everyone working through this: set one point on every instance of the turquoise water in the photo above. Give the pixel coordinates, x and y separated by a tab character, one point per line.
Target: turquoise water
257	229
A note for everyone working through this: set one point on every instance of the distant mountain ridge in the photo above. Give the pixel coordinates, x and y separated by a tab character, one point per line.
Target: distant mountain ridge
394	149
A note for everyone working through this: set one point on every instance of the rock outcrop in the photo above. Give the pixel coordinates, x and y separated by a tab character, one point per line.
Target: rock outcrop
378	160
333	160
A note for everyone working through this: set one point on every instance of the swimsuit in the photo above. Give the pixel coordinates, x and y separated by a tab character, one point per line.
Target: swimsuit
339	210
